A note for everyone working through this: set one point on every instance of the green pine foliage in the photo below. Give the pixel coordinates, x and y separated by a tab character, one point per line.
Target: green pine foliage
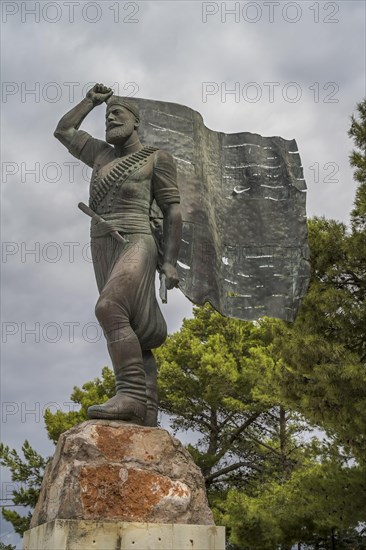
27	475
319	501
244	388
213	379
98	390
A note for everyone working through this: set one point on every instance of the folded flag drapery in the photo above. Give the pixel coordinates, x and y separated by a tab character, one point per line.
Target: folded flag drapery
244	247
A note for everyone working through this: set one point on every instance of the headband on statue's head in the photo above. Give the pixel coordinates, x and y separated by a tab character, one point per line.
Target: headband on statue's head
126	103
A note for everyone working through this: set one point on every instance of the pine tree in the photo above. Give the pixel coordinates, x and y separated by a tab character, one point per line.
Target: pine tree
213	381
358	161
27	473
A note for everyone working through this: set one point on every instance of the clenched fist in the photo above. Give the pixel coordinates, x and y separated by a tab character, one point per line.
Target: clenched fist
99	93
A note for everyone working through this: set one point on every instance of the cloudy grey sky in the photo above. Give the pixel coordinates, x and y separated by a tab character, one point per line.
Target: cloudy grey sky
293	69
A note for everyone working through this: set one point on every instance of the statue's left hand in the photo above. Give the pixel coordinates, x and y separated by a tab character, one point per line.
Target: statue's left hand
171	275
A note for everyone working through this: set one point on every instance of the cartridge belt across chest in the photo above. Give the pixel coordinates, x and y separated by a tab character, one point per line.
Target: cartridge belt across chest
113	181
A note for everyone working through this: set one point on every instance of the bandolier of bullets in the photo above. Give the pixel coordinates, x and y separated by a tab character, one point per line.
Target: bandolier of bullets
120	173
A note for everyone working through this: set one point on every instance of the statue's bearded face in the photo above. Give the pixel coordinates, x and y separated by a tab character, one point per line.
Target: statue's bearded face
120	124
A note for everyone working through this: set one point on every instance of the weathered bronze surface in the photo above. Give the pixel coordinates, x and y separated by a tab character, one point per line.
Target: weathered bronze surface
242	245
127	177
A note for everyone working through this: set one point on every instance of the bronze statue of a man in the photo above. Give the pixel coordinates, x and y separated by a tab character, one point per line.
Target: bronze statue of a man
126	178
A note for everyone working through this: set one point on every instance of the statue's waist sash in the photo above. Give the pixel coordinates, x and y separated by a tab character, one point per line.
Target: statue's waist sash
125	222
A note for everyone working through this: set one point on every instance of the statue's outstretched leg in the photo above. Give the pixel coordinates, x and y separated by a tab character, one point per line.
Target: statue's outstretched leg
150	367
133	324
129	403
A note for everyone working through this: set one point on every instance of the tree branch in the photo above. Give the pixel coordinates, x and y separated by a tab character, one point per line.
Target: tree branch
235	435
223	471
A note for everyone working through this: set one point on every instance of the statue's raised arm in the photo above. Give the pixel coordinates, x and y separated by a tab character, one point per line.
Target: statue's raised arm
70	123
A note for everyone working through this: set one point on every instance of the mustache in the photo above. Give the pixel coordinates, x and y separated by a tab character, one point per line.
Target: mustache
111	125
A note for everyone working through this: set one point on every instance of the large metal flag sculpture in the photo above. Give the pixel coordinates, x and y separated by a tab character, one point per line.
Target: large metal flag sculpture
244	247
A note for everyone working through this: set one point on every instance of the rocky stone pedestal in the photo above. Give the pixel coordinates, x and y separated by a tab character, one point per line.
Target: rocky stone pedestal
118	486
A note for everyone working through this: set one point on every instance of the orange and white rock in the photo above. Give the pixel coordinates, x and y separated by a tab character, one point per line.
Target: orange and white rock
108	470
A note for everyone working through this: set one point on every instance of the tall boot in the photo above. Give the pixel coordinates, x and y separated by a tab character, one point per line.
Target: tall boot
150	367
129	403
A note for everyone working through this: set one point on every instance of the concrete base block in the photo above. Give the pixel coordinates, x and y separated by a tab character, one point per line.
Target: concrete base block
66	534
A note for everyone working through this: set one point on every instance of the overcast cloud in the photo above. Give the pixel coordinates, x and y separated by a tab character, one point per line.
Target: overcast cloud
295	69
